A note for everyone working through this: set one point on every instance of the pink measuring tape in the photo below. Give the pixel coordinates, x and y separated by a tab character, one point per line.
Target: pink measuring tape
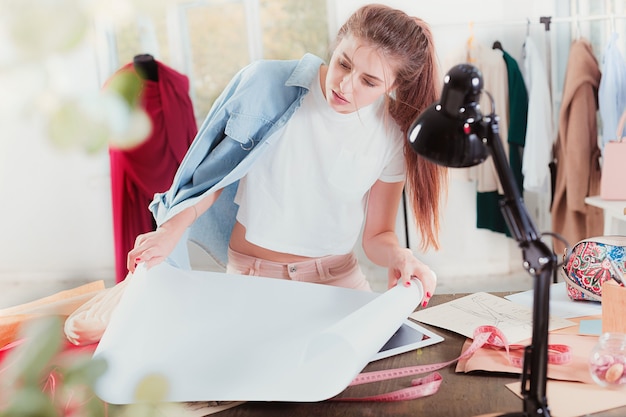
487	336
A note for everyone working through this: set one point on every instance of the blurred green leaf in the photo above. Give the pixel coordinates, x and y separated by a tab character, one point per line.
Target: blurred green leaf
65	126
128	85
78	124
46	26
84	370
152	389
30	402
43	342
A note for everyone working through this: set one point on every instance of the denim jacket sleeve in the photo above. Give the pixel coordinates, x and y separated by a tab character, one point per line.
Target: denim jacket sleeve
257	102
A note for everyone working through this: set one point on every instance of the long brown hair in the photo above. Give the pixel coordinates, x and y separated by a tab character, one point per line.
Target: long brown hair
408	44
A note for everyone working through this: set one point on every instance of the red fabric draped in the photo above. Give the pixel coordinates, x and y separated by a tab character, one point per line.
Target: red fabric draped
138	173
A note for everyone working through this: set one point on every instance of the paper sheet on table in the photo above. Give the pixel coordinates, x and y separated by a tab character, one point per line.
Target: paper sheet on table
495	360
560	304
225	337
465	314
574	399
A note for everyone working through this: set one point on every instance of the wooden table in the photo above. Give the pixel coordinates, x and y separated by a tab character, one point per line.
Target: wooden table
459	395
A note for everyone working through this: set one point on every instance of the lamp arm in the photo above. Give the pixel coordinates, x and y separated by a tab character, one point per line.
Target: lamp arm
539	261
520	223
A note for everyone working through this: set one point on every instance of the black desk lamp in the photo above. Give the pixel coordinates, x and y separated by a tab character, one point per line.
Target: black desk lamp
454	133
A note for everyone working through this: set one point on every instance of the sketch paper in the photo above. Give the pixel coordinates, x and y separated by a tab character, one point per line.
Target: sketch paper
465	314
225	337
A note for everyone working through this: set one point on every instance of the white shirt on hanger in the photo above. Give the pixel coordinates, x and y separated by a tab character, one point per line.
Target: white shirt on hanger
539	128
612	90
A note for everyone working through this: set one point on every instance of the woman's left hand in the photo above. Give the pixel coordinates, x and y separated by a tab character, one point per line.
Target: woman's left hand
405	266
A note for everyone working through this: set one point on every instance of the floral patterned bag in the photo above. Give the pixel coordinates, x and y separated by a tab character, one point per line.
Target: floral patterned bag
592	262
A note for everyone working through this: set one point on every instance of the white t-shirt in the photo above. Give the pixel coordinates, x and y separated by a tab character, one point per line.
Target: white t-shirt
307	196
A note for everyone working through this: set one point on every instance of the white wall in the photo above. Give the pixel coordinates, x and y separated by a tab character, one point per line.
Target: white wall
55	222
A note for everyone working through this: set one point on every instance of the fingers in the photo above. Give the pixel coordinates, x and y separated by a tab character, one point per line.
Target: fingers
145	250
149	263
429	283
145	258
134	257
427	278
132	262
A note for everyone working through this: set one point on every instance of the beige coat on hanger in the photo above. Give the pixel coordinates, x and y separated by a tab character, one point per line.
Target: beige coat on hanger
577	152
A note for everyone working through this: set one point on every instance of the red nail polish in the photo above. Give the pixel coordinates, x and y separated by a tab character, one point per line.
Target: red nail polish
424	303
407	283
428	294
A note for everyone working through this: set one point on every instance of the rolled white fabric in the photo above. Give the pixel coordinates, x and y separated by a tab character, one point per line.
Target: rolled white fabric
88	322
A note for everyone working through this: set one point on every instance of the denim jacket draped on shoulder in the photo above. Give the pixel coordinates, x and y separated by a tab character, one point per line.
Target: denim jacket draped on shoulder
240	126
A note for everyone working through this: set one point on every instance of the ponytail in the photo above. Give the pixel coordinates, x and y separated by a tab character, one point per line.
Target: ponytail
407	43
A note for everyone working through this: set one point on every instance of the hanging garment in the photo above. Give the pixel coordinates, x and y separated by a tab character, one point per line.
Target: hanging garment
139	173
518	118
612	91
577	152
491	64
539	129
488	213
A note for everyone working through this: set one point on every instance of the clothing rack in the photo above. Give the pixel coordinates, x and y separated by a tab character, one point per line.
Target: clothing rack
547	22
484	23
543	20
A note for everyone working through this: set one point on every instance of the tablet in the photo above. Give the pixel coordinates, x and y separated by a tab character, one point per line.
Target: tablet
409	336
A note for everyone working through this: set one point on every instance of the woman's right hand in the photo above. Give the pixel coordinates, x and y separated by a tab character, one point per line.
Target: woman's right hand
152	248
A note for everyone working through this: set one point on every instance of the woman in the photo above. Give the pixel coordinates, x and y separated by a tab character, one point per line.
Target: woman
317	153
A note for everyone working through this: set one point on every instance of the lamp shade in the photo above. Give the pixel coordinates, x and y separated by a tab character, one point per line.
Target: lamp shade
449	132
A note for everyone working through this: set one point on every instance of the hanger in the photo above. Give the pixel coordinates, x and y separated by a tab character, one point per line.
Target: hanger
470	42
577	27
612	22
497	45
527	37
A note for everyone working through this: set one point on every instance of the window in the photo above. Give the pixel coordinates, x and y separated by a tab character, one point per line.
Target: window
210	40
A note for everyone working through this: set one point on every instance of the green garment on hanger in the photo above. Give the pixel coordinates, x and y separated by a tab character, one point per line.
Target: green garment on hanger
488	214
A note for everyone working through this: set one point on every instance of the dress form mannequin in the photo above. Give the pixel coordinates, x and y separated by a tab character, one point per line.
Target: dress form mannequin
146	67
140	172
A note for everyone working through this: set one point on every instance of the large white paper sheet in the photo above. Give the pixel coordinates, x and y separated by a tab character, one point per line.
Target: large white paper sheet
225	337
